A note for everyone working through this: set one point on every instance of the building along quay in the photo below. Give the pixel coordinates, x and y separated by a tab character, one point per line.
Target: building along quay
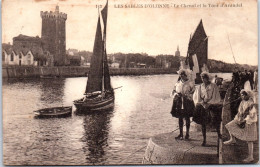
75	71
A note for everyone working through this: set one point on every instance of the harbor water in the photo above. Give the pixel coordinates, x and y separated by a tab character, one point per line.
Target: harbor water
120	136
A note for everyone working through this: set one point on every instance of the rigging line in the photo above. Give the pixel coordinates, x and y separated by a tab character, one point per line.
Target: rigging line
231	49
118	87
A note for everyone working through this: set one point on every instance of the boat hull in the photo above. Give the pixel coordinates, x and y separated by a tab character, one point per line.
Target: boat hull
89	106
55	112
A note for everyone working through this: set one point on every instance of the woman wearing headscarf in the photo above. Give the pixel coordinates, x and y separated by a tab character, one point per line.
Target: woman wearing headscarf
207	105
183	105
244	125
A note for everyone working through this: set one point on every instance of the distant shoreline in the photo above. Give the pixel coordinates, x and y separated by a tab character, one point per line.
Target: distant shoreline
75	71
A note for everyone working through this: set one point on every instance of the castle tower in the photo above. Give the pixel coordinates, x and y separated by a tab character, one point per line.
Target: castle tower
54	34
177	53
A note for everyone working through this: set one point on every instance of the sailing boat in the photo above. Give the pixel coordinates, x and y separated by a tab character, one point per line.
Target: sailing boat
197	55
99	94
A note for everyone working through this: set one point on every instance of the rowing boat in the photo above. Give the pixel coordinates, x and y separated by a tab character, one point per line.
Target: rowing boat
54	112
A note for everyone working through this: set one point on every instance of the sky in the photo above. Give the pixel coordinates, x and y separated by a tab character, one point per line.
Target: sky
145	30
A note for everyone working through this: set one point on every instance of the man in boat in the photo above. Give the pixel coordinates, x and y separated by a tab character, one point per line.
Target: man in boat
208	107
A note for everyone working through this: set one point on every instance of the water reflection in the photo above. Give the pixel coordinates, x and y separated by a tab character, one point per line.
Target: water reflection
52	91
49	91
95	137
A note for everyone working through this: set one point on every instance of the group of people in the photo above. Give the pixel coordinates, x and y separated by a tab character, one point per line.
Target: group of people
239	78
203	103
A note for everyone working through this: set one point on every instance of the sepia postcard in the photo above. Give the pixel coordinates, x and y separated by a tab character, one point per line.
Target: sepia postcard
129	82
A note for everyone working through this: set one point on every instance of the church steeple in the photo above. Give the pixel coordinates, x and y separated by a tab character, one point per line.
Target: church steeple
177	53
57	9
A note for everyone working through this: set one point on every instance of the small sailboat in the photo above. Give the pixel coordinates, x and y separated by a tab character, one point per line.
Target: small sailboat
99	94
197	56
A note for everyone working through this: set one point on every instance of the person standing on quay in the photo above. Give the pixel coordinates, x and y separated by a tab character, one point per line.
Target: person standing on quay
244	125
208	108
183	105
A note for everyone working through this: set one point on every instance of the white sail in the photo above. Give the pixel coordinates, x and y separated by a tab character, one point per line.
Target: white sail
195	68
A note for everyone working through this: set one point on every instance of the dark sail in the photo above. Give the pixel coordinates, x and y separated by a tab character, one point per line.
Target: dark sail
104	17
107	83
198	45
96	67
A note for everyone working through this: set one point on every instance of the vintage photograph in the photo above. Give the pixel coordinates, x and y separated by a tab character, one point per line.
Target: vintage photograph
129	82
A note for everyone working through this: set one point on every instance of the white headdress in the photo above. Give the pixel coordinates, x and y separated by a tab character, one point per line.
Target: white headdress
206	73
248	90
188	73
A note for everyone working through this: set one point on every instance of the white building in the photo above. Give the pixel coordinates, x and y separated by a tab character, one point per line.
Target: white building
20	57
115	65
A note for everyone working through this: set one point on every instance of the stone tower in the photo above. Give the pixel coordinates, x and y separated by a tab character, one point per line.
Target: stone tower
54	34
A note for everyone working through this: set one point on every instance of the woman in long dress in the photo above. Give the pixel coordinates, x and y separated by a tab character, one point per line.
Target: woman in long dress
244	125
183	105
207	105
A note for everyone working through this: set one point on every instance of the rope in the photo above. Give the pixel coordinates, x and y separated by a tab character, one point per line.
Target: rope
131	154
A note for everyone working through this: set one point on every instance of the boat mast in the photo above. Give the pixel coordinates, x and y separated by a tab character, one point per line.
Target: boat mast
104	17
103	65
231	49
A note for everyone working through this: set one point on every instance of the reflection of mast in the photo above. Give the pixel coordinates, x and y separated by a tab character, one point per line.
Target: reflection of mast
95	136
